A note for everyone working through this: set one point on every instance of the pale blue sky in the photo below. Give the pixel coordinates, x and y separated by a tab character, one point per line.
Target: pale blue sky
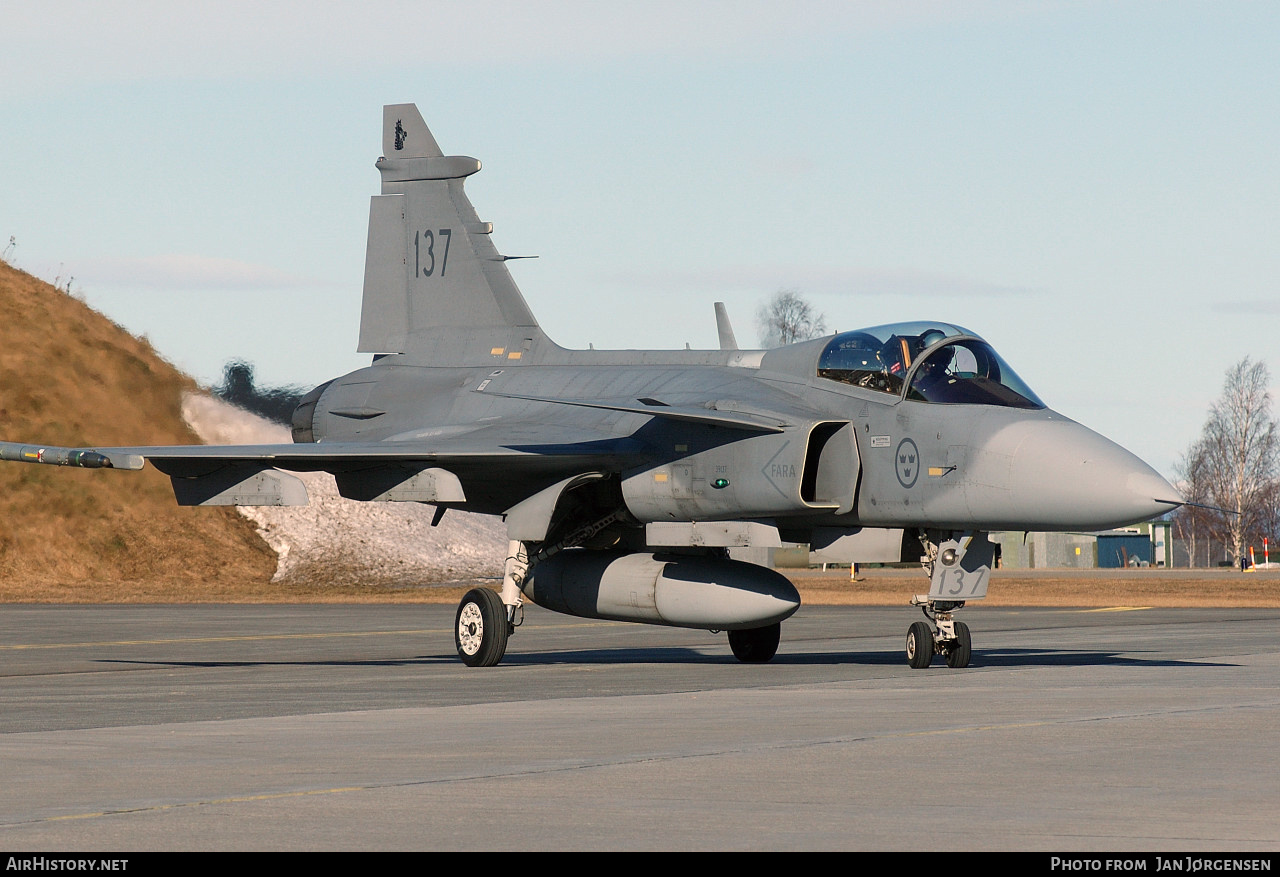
1094	187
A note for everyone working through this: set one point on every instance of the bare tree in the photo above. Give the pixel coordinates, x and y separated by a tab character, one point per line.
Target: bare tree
788	318
1193	521
1270	512
1235	460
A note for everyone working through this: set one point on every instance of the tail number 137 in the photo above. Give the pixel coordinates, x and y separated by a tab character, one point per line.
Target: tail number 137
431	250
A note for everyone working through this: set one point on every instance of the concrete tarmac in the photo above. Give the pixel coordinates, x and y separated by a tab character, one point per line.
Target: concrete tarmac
355	727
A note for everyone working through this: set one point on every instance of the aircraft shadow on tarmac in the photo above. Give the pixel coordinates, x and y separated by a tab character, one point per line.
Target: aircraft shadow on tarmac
987	659
1077	658
1003	658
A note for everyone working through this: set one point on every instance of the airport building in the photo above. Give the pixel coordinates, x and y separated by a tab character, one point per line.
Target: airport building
1148	544
1142	545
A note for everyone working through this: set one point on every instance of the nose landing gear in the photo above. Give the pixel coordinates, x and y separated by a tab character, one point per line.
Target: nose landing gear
958	566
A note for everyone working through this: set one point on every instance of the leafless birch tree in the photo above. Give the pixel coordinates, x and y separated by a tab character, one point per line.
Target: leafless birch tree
1234	462
788	318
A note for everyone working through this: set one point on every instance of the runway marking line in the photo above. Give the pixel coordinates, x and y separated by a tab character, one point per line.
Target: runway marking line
220	639
1119	609
243	799
14	647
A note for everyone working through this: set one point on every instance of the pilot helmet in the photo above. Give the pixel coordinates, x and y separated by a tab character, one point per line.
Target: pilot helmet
931	337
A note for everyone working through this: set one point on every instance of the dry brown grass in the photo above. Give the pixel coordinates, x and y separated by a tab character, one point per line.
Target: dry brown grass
221	590
1156	588
70	376
1092	588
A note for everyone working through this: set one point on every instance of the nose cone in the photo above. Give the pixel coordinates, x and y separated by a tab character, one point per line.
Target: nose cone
1063	476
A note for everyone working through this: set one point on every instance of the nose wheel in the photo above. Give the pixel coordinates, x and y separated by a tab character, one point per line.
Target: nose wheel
960	648
920	645
945	636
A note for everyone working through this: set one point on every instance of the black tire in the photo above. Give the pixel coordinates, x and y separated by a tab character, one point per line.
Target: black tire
757	645
919	646
480	628
958	652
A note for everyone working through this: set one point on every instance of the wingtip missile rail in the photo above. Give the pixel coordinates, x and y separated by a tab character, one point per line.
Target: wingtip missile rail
80	457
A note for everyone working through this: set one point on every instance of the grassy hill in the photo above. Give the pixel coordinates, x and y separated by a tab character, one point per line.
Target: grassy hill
70	376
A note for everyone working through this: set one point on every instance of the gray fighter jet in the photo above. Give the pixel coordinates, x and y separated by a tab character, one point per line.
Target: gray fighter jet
625	477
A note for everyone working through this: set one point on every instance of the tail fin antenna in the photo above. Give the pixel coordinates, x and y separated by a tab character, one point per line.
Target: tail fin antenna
724	328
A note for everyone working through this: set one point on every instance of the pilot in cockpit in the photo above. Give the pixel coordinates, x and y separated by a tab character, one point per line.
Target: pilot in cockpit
931	375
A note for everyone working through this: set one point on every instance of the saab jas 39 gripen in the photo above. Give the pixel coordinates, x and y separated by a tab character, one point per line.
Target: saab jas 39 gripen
624	477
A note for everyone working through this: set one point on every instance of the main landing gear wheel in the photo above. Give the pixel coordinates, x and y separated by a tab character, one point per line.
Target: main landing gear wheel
919	646
757	645
480	630
959	651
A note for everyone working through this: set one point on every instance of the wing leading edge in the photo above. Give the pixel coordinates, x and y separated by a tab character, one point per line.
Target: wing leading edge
409	471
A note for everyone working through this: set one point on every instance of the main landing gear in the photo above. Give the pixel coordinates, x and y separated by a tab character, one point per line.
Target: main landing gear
481	628
486	620
757	645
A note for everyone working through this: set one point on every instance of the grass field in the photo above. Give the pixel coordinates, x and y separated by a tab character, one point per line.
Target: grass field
1059	587
876	587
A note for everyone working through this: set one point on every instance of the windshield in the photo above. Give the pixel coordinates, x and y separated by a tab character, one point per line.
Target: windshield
969	371
880	357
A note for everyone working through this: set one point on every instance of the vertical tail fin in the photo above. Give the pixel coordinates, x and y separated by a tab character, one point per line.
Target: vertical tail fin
430	267
405	135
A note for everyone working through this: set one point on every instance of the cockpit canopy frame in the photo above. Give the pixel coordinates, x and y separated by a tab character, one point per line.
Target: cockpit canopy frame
925	362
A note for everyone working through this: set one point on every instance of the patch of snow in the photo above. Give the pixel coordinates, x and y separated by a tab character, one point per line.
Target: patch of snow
340	541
